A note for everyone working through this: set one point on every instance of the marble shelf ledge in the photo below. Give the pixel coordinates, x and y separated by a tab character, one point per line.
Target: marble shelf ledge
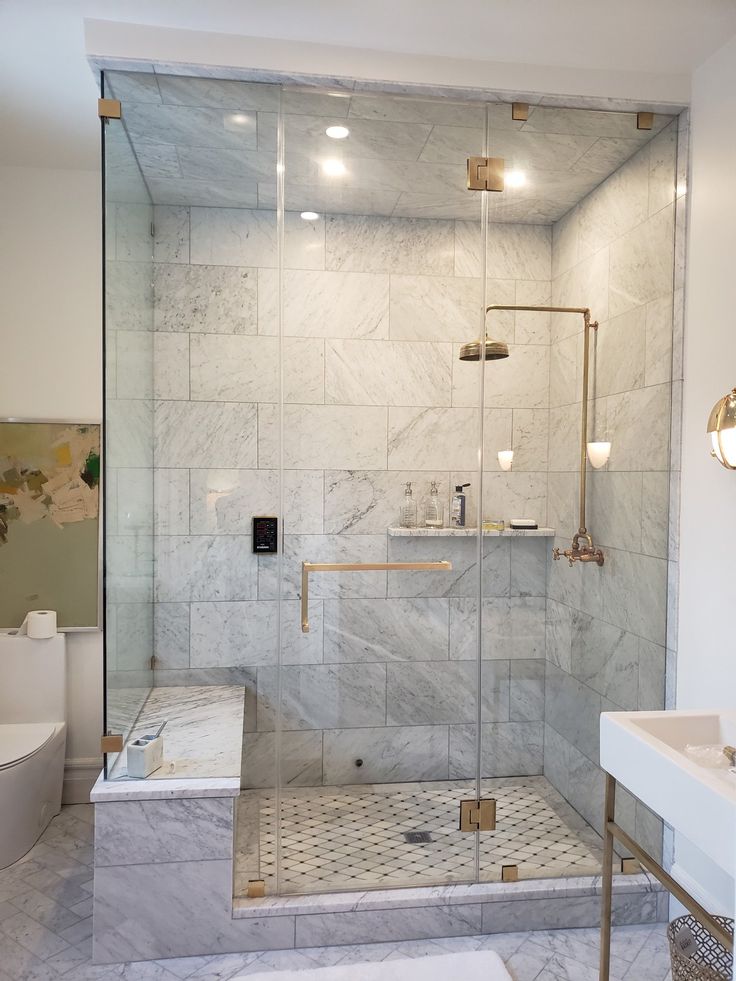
470	533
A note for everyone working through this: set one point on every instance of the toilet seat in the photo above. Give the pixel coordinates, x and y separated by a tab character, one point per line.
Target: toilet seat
21	740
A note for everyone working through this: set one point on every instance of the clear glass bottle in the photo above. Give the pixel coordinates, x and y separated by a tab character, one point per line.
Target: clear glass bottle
408	513
434	513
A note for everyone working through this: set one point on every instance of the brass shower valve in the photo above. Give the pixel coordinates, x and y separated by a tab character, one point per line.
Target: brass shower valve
580	553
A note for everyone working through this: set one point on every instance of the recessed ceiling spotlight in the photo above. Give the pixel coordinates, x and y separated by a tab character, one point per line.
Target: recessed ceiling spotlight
333	168
337	132
514	178
236	121
310	215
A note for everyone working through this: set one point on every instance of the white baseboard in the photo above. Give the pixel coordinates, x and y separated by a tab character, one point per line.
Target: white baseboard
79	778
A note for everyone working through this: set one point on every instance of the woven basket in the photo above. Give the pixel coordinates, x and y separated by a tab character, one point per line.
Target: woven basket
707	959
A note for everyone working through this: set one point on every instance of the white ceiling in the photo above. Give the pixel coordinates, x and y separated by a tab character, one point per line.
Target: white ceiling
47	93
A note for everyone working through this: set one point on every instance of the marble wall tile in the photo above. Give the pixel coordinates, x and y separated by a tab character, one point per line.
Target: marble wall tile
233	193
417	110
389	754
564	439
128	295
396	245
170	366
532	327
527	691
317	930
515	495
133	86
514	251
655	514
329	437
301	759
129	432
584	285
144	912
437	308
171	635
227	368
463	579
634	593
171	502
509	749
606	658
558	634
662	168
224	501
205	568
233	634
513	628
520	381
240	237
620	353
529	559
134	636
556	762
619	204
659	366
130	508
652	672
615	509
171	234
323	696
190	125
325	304
368	372
565	235
325	548
436	693
562	502
133	364
433	439
368	501
641	263
565	381
133	232
385	630
573	710
205	434
568	913
218	93
207	299
530	440
638	427
370	139
154	831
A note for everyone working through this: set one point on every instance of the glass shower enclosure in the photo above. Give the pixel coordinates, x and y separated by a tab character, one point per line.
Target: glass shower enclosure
287	345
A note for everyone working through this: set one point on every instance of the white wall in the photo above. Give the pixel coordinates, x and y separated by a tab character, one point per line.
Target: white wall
706	672
50	351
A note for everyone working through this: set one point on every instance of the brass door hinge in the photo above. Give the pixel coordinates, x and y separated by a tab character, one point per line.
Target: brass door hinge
485	173
520	111
256	889
112	742
630	866
478	815
509	873
109	109
644	120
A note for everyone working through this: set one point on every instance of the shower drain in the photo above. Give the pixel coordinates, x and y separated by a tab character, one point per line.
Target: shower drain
417	837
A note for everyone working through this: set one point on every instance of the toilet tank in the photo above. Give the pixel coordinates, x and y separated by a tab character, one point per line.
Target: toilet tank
32	679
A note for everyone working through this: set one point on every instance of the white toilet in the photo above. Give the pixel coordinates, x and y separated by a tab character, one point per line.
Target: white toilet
32	739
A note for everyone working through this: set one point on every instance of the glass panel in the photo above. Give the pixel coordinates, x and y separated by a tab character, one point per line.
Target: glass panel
586	220
128	457
381	286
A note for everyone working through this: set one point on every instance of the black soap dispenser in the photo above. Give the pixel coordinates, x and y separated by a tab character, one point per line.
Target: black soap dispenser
457	509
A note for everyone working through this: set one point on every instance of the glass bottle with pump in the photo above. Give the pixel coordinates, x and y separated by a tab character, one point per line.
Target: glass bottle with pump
457	509
434	514
408	513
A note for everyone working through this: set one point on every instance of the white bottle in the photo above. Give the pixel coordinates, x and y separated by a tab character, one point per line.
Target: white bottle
408	513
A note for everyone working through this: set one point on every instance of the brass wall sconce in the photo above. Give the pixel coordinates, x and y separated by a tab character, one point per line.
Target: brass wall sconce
722	430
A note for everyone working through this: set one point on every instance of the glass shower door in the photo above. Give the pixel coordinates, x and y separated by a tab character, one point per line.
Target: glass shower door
380	285
128	431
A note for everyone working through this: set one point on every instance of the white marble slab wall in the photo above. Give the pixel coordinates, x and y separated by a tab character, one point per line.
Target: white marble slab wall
606	627
129	413
374	313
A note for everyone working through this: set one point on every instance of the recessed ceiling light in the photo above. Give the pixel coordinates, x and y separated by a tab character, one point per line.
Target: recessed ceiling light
514	178
236	121
337	132
333	168
310	215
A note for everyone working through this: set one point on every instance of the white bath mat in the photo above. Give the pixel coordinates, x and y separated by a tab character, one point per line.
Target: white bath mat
477	965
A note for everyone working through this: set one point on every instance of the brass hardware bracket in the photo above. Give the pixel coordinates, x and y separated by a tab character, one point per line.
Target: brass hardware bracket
309	567
614	832
478	815
520	111
109	109
111	742
645	120
630	866
509	873
256	889
485	173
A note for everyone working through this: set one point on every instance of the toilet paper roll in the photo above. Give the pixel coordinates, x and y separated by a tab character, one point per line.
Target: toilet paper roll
39	624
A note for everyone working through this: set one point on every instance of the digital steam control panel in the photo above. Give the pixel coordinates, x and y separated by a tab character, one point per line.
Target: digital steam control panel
265	534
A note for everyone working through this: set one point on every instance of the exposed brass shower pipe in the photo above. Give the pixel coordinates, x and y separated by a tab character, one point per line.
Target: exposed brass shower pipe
588	551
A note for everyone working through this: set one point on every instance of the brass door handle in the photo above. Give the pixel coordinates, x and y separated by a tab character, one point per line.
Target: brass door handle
308	567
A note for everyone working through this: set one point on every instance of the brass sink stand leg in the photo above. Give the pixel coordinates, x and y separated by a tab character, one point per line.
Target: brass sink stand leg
607	885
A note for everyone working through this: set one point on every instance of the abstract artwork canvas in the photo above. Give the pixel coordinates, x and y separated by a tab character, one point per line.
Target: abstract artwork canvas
49	521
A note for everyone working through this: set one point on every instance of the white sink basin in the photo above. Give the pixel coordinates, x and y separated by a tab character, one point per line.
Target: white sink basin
645	752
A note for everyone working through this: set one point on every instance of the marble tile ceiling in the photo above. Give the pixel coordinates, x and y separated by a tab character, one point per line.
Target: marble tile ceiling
211	142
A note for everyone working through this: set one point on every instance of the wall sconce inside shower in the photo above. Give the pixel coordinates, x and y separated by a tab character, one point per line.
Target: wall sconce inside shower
599	454
505	459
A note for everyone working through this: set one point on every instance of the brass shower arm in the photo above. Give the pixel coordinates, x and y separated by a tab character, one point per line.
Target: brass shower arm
584	311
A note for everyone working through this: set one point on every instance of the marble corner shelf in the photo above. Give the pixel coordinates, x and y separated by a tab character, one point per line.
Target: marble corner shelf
470	533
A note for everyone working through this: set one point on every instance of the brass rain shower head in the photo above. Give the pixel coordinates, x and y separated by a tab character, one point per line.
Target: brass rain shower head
495	351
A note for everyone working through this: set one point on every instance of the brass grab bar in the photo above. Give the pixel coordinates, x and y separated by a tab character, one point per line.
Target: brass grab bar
308	567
